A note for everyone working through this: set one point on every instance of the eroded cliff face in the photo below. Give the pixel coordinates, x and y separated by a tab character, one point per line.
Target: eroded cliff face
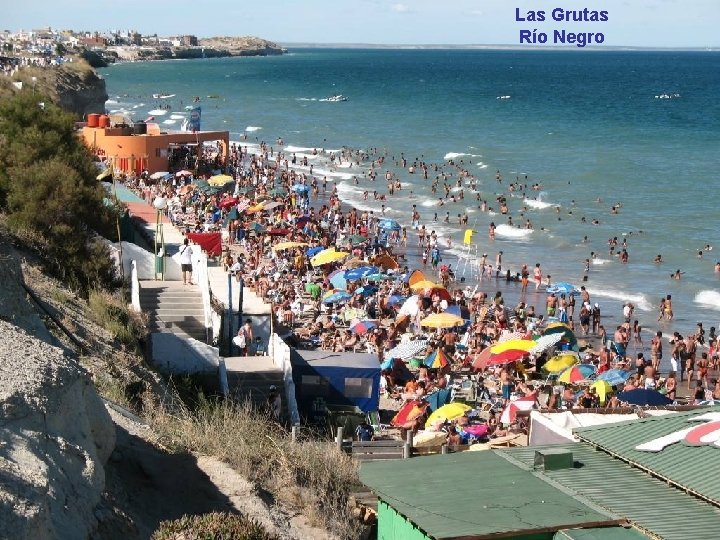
55	433
80	91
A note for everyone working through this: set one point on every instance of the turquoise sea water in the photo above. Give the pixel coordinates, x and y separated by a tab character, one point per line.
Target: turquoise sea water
587	125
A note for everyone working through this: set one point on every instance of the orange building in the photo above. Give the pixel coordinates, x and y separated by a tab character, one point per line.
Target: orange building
130	150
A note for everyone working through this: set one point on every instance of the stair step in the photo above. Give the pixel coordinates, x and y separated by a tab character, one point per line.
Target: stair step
169	305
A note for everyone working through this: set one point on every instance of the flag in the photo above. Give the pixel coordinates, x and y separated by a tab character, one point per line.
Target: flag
509	414
467	239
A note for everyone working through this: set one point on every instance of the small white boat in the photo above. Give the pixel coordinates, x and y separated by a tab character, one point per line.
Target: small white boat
338	97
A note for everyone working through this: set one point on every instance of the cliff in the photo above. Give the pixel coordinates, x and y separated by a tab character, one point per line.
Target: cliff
243	46
55	433
207	48
75	86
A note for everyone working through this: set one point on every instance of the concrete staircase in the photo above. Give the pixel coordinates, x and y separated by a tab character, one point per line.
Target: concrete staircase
173	307
250	379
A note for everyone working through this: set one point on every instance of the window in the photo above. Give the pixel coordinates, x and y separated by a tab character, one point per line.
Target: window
357	387
314	385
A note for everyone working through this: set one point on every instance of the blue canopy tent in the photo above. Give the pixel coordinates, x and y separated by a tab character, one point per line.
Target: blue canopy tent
340	379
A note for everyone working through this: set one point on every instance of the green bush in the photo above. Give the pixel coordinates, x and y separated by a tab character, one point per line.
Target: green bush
112	313
214	526
49	191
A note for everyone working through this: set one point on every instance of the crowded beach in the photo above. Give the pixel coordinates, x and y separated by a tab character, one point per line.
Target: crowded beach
460	361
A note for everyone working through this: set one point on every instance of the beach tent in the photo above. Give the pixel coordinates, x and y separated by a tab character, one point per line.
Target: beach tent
340	379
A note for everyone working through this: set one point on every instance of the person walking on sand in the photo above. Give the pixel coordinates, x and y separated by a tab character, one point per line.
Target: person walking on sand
186	253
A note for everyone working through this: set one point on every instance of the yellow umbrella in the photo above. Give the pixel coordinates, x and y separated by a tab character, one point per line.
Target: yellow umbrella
602	388
442	320
514	344
328	256
220	179
451	411
288	245
561	362
425	284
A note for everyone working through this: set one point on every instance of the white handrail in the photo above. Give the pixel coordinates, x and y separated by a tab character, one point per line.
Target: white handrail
134	287
280	352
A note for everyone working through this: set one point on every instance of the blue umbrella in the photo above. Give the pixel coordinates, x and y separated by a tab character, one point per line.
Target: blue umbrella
395	299
338	280
389	225
643	396
563	287
314	250
367	290
614	376
300	188
356	274
335	298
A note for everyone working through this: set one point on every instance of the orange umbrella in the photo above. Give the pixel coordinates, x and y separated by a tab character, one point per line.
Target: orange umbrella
409	412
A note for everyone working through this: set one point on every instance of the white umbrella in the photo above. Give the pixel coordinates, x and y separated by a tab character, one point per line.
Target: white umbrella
159	175
410	307
407	349
545	342
272	205
507	336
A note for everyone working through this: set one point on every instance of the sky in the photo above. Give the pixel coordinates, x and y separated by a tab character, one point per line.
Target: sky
641	23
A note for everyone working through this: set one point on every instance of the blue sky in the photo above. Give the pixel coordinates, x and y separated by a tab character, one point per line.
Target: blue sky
650	23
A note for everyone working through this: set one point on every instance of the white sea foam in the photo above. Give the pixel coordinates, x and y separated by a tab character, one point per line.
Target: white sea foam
455	155
600	262
291	148
540	205
113	101
639	300
428	203
306	99
708	299
158	112
253	128
508	231
177	117
169	121
329	174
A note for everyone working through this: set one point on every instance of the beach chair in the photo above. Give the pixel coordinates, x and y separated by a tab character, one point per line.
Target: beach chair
373	418
260	348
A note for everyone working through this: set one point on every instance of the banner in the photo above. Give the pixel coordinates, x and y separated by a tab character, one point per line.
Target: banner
194	122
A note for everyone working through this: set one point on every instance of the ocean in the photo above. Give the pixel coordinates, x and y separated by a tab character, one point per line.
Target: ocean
595	128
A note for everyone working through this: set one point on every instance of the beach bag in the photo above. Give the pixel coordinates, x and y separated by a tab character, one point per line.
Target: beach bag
240	340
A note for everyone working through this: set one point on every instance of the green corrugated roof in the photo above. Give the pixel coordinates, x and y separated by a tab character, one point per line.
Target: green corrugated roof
604	533
649	503
695	468
475	493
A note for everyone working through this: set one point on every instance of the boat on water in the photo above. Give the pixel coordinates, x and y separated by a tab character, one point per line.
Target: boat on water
338	97
163	96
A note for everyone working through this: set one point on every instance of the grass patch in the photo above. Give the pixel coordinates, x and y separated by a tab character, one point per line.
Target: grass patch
310	476
111	311
214	526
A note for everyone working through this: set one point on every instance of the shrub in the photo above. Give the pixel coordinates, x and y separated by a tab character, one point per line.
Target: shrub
214	526
112	313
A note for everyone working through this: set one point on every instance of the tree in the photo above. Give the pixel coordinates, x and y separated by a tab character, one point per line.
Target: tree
49	192
60	49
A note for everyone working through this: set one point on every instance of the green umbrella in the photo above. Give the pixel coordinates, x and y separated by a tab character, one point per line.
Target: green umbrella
232	214
277	192
257	227
356	239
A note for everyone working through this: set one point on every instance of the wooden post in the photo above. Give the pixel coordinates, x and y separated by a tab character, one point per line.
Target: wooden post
444	449
293	434
339	439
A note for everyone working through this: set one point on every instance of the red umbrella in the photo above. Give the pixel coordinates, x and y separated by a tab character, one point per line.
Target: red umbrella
278	232
481	359
230	201
409	412
506	357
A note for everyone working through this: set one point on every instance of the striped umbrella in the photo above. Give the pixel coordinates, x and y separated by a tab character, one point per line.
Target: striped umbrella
524	345
507	336
407	349
506	357
409	412
362	327
577	373
436	359
544	343
614	376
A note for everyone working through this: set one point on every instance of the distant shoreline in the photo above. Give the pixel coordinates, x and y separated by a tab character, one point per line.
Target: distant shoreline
496	47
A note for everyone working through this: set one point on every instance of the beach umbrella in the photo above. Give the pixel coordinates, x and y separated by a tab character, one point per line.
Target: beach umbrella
282	246
187	188
220	179
423	285
277	192
442	320
448	412
436	359
362	327
524	345
409	412
602	389
507	336
576	373
543	343
301	221
359	273
395	300
481	359
643	396
563	287
367	290
184	172
231	215
314	251
229	201
460	311
614	376
410	306
272	205
386	262
377	277
160	175
407	349
355	263
389	225
243	205
356	239
300	188
337	297
328	256
560	362
337	279
509	414
256	227
562	329
505	357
